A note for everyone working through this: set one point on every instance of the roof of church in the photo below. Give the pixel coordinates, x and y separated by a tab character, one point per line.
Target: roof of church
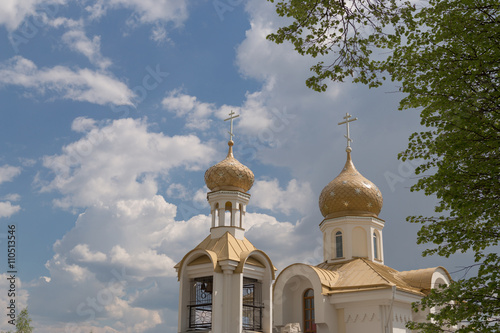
361	274
226	247
229	174
350	194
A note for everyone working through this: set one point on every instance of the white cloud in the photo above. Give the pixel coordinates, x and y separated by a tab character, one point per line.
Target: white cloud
14	12
119	161
285	243
7	209
112	254
91	48
83	124
11	197
153	10
149	11
8	172
298	196
82	253
79	85
196	113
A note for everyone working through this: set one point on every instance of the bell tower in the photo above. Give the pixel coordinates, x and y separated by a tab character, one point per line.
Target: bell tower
225	282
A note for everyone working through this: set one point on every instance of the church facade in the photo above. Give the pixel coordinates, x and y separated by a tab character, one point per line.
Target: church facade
226	284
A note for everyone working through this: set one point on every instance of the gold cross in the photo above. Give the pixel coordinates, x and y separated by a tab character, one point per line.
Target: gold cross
347	121
231	117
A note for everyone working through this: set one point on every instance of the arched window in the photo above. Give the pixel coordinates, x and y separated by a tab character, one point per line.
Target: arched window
339	250
228	218
309	324
375	246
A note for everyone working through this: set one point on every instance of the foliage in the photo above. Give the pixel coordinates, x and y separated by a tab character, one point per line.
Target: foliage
445	54
23	324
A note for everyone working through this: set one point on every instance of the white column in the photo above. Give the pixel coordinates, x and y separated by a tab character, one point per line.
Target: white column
232	295
222	215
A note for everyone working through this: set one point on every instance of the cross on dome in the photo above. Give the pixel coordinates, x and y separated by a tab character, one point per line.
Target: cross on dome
347	121
231	118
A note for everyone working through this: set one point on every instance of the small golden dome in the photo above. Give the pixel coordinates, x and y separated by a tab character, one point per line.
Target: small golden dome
350	194
229	174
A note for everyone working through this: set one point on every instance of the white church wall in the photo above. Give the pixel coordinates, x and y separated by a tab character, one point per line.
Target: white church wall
402	314
362	319
326	315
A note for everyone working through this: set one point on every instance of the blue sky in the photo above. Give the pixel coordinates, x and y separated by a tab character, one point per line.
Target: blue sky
112	110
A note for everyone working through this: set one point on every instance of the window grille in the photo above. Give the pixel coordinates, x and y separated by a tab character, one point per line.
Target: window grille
252	305
200	309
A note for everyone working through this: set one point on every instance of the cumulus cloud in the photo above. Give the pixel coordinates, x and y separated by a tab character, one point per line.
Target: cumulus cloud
280	240
119	160
79	85
124	246
195	112
297	196
8	172
259	116
7	209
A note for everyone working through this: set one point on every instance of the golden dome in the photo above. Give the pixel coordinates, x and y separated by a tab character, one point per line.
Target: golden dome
229	174
350	194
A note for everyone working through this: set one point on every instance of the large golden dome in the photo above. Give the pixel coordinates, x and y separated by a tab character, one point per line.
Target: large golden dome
350	194
229	174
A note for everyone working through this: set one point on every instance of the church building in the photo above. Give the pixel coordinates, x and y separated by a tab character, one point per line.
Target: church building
226	284
351	291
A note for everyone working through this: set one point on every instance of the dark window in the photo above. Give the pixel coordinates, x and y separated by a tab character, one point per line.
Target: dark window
252	305
339	252
200	309
309	325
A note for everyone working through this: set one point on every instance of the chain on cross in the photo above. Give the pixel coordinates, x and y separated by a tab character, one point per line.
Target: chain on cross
347	121
232	116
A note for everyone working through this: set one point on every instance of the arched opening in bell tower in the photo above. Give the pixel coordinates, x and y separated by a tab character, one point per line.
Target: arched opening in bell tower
228	213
